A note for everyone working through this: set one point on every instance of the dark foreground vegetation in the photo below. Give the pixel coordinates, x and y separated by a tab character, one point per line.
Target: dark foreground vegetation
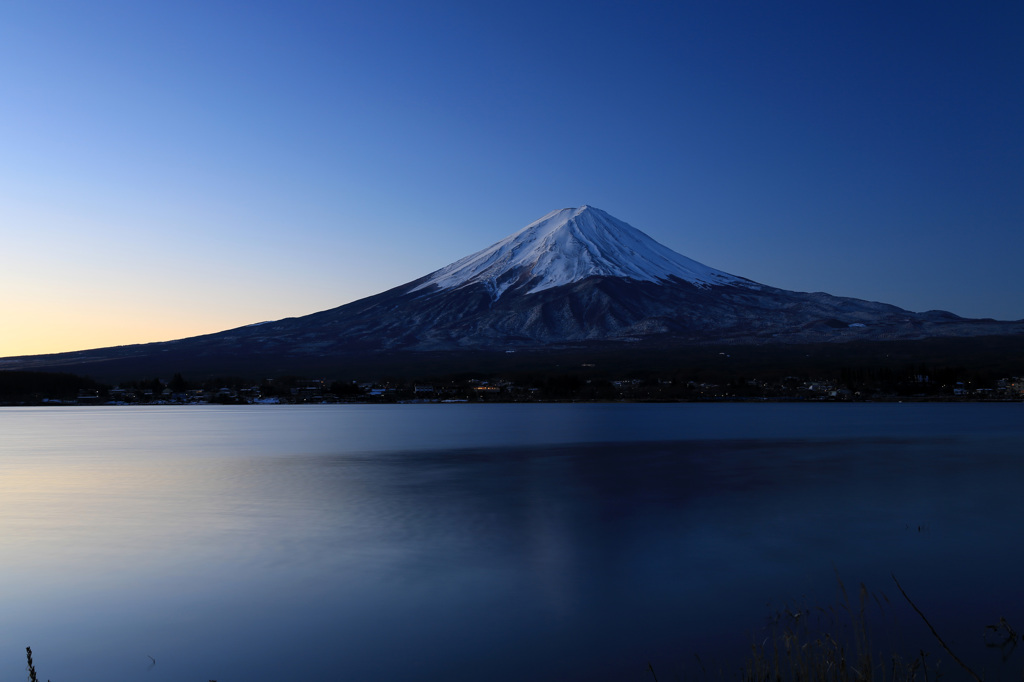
587	382
854	642
980	368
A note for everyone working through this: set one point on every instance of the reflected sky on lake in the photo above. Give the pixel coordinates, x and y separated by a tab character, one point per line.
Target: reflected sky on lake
485	542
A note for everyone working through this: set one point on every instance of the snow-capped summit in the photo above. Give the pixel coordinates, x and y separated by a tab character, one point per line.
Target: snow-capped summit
570	245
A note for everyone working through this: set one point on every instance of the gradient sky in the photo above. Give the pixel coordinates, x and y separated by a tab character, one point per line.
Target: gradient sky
170	169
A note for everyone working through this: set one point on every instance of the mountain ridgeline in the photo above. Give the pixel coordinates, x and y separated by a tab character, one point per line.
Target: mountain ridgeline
576	278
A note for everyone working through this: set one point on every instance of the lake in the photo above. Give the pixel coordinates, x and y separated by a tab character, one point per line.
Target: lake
494	542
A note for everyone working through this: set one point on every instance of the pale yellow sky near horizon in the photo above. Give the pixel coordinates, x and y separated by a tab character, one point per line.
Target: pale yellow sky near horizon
32	327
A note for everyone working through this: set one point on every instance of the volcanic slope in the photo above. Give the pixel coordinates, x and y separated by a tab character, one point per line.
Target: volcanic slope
576	276
582	275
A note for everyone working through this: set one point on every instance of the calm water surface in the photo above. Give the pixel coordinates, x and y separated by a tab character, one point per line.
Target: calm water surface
501	542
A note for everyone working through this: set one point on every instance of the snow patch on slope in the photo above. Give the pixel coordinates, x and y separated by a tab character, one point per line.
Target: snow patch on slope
569	245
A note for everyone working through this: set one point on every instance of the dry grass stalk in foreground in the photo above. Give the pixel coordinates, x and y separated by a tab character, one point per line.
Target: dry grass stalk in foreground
941	641
32	669
828	645
836	646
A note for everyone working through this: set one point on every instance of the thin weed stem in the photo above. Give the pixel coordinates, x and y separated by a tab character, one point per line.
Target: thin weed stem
930	627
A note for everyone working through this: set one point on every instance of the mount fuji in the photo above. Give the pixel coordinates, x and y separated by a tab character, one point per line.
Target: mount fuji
576	276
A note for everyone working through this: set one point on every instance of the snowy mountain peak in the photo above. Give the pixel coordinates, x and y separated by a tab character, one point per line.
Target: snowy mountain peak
569	245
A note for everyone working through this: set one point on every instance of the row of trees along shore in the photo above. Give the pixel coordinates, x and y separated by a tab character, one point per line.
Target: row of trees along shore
848	383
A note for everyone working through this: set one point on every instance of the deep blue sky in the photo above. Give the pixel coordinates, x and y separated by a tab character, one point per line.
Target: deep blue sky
175	168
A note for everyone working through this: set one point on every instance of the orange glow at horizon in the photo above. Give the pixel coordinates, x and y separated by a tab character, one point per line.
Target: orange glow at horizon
68	327
45	318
